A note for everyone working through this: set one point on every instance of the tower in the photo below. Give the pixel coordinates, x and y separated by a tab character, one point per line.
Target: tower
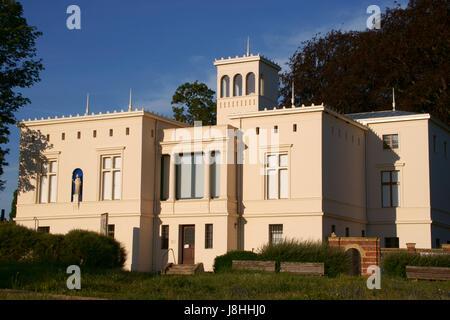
245	84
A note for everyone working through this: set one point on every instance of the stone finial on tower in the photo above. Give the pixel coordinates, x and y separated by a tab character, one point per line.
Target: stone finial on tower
393	99
130	105
87	105
248	46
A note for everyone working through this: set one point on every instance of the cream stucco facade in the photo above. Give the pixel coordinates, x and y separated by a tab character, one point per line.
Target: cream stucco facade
296	172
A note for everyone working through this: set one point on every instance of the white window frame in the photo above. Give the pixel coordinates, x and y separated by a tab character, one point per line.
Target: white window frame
113	169
277	168
108	152
195	186
48	174
275	234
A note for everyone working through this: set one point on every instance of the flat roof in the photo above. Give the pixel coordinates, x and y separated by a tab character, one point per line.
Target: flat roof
380	114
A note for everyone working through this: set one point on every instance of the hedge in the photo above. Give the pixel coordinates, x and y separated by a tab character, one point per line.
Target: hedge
223	263
80	247
394	263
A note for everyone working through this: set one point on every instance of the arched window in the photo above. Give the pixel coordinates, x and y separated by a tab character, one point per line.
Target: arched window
250	83
237	85
225	87
261	85
77	185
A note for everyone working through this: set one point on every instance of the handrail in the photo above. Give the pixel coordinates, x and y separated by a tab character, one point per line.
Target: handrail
166	253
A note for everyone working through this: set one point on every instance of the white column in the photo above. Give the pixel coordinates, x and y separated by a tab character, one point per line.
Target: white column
172	178
206	180
223	192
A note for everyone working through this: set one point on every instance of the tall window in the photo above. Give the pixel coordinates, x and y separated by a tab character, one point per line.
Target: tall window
237	85
391	242
250	83
44	229
390	141
225	87
208	236
261	85
111	230
438	243
390	188
277	179
215	174
165	169
48	182
275	233
111	177
164	237
189	176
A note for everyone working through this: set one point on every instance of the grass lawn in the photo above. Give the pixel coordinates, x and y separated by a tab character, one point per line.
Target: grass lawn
116	284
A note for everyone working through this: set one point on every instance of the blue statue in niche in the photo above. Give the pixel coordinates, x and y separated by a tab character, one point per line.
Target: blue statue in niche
77	185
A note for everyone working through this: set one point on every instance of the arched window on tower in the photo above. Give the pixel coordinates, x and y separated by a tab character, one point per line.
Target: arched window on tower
77	185
237	85
261	85
225	87
250	83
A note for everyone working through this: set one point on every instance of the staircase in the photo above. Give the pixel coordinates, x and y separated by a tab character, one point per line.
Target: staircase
183	269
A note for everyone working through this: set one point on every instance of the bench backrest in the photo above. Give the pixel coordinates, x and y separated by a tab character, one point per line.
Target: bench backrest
427	273
254	265
303	267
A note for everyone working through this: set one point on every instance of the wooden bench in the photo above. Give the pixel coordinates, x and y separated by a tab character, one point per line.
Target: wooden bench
427	273
254	265
303	268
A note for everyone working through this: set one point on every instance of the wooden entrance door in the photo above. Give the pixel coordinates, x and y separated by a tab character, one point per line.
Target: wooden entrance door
188	244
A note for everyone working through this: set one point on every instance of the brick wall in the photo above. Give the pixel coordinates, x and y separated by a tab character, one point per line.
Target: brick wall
371	253
368	248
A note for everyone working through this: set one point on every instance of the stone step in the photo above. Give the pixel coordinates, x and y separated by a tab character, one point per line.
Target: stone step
183	269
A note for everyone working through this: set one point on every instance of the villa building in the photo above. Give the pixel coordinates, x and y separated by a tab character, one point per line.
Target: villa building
173	193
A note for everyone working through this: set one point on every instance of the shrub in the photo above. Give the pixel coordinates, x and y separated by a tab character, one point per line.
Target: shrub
224	262
48	248
16	242
83	248
394	263
88	248
335	260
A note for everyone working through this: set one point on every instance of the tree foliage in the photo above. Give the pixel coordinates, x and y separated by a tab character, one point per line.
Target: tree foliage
19	67
194	102
12	213
355	71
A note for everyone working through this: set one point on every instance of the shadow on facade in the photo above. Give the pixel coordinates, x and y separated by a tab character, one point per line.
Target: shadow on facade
32	146
381	165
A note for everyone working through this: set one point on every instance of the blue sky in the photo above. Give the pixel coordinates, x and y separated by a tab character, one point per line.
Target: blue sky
154	46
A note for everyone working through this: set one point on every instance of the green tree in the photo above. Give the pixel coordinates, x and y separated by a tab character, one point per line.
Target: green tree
12	213
18	67
355	71
194	102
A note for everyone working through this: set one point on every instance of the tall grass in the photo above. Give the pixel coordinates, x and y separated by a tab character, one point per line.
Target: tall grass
394	264
119	284
291	250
